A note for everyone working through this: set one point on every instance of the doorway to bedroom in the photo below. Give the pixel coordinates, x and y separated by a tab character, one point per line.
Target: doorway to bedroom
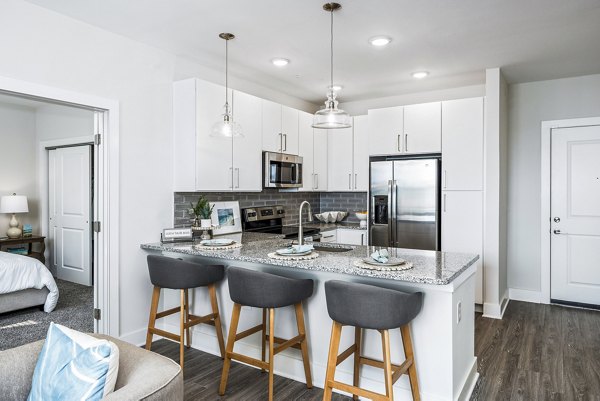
48	164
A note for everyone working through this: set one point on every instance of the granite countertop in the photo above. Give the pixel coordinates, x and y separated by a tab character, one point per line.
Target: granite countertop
333	226
429	267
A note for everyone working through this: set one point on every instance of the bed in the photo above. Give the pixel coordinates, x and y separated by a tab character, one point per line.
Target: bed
25	282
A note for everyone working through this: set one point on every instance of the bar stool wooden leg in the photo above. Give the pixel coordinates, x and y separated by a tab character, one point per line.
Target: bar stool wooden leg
271	350
358	344
263	337
387	364
235	318
334	345
181	327
215	308
152	318
409	354
187	319
304	343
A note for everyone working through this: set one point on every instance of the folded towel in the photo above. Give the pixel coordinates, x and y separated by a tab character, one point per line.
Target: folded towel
302	248
381	256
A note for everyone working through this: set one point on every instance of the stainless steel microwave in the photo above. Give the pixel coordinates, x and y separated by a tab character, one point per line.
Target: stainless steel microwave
282	170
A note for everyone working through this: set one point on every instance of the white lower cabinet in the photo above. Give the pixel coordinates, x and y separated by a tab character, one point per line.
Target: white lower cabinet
351	237
462	228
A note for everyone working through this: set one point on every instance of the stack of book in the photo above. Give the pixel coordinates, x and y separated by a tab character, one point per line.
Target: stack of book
27	230
21	250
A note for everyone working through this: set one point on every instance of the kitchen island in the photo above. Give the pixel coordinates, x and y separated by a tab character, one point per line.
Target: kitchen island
443	333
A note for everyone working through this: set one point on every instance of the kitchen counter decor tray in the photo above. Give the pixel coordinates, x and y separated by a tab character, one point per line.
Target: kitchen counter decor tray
312	255
200	247
362	265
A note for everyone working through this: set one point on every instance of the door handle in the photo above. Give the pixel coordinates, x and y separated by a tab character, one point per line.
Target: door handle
350	181
558	232
406	142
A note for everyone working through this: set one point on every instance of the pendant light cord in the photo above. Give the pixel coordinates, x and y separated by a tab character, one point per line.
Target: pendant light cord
331	87
226	71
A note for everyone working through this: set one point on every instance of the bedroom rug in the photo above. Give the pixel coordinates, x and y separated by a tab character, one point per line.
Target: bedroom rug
74	309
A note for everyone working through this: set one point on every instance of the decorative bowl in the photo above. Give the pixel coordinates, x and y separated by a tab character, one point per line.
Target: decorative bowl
331	217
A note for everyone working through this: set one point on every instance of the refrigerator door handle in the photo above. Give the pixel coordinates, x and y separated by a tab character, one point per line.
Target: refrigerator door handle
391	213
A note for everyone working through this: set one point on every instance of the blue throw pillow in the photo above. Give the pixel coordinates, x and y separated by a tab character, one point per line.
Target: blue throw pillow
71	369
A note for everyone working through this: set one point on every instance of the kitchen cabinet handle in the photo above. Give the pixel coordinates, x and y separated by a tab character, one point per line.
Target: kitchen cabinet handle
355	179
285	142
362	239
406	142
313	180
238	177
280	142
398	144
445	179
444	203
350	181
328	236
317	177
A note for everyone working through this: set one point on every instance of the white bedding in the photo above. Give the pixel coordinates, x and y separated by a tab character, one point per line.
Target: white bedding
18	272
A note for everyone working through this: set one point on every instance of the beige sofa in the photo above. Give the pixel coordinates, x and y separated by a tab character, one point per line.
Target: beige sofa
143	375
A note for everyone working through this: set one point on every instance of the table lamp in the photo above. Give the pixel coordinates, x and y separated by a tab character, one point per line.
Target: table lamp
14	204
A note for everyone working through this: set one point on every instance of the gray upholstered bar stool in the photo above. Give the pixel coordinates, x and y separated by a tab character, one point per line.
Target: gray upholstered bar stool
182	275
370	307
266	291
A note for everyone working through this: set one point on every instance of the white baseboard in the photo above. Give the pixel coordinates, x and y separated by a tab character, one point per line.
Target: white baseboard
137	337
469	384
518	294
289	364
496	311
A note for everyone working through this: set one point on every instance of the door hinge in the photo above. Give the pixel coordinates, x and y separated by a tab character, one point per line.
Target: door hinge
97	139
96	226
97	314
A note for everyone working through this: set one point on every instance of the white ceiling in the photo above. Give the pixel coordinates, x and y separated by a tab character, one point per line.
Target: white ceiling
454	40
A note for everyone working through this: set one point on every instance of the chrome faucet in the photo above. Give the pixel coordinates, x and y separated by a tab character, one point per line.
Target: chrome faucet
310	218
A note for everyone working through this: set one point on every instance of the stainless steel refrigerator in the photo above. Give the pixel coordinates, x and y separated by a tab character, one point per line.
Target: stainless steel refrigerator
404	206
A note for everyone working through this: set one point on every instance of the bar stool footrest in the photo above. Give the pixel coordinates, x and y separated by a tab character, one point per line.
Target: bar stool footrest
357	391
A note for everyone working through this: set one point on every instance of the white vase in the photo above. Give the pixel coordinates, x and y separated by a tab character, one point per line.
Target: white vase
205	223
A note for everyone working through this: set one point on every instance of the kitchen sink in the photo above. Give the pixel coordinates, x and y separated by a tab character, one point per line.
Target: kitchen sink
320	248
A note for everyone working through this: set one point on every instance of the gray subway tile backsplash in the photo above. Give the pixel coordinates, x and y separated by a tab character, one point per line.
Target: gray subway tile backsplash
320	202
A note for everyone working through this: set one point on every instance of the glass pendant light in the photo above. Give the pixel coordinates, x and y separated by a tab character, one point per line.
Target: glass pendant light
226	127
330	117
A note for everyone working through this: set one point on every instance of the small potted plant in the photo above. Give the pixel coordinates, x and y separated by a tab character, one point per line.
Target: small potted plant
202	212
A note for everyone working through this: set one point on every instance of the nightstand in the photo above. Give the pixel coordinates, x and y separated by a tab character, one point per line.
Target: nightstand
29	241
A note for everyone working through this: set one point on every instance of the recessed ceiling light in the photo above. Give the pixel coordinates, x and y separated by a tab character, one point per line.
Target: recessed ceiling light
280	62
420	74
335	88
380	41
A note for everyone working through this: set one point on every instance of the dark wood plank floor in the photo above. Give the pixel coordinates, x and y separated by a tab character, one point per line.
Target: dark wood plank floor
537	352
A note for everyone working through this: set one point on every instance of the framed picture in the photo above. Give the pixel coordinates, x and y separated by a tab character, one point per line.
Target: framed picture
227	216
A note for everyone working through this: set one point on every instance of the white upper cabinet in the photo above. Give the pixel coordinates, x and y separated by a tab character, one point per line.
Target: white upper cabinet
361	153
306	150
289	130
320	162
272	137
340	154
207	163
462	144
247	152
422	128
386	131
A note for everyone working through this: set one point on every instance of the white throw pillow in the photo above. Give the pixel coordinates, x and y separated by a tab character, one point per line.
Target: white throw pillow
74	366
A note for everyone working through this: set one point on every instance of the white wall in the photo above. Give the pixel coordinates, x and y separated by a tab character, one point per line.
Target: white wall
18	167
60	122
529	105
55	50
361	107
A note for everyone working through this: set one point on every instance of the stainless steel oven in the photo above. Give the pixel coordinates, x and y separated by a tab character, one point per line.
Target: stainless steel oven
282	170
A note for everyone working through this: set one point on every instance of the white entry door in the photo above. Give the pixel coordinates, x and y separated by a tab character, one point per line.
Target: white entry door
575	220
69	185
